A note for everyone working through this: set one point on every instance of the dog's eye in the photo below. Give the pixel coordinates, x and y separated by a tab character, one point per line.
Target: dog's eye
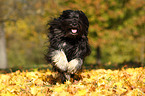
74	24
75	19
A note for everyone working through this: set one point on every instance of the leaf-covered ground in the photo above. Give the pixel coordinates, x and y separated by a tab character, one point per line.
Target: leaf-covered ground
124	82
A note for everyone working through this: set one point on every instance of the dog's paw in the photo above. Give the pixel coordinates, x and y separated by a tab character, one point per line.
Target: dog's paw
74	65
67	76
60	60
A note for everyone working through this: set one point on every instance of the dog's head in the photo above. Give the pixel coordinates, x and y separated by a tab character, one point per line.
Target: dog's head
74	23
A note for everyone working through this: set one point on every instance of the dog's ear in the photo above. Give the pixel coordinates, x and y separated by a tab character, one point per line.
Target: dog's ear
83	17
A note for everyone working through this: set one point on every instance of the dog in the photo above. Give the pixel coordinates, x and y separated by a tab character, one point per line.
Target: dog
68	43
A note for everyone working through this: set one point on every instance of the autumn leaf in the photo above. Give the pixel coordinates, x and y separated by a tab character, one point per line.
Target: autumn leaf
130	82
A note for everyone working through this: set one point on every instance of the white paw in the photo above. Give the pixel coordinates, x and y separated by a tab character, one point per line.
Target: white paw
60	60
74	65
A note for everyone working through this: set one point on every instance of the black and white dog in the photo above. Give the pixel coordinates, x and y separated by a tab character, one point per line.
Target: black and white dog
68	42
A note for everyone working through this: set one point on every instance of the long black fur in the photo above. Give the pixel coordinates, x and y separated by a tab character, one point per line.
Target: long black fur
63	37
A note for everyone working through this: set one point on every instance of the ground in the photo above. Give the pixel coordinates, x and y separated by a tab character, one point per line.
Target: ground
95	82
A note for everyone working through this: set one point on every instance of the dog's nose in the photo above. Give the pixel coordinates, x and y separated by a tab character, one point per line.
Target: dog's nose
74	24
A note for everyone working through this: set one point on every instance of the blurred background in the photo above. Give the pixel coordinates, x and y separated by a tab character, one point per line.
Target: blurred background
116	32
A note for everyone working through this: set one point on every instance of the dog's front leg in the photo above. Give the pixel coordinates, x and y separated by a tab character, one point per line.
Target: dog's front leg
74	65
59	59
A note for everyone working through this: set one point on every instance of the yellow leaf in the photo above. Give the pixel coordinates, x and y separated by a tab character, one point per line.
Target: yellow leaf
8	94
34	90
82	92
58	89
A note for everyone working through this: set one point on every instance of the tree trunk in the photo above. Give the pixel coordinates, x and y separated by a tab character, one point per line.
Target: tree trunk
142	52
3	56
98	53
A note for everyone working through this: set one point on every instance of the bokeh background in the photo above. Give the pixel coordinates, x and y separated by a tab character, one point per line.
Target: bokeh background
116	32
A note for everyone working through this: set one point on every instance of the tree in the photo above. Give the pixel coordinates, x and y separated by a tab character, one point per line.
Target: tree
3	56
13	10
116	27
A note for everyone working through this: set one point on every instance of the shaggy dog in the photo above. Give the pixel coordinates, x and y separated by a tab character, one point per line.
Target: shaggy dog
68	43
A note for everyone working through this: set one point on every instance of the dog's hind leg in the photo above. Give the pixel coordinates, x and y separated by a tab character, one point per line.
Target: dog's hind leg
67	76
64	76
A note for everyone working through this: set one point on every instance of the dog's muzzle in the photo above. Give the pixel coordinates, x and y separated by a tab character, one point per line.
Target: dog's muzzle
74	28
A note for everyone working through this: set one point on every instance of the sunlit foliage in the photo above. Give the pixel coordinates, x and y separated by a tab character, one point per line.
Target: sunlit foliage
116	27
